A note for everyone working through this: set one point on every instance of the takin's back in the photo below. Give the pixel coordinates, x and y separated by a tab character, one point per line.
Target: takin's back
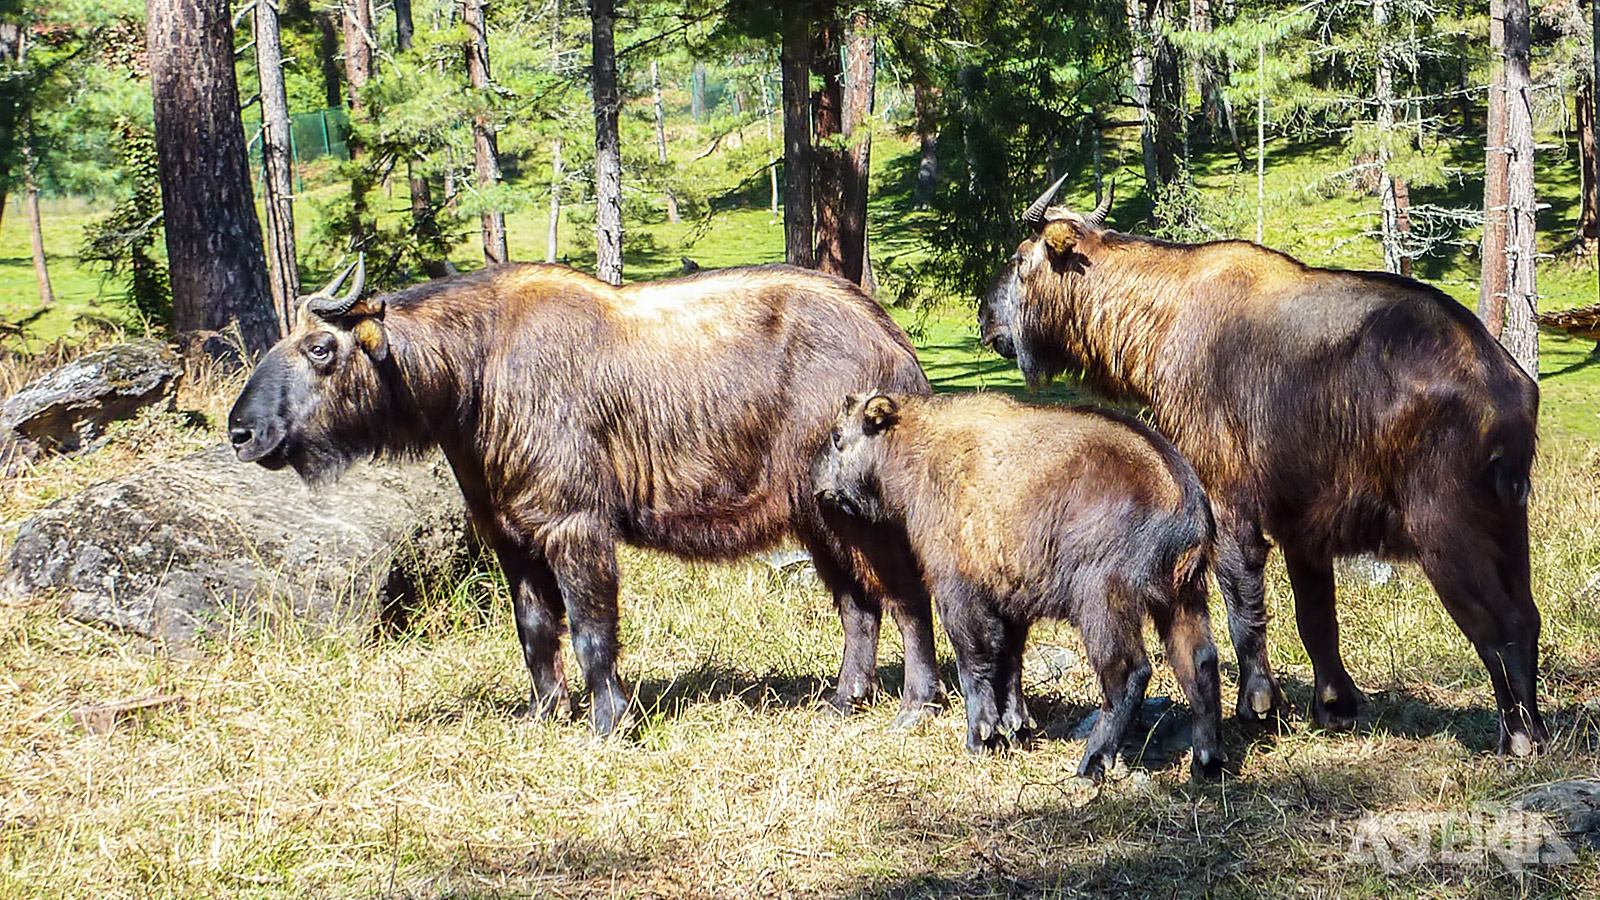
685	410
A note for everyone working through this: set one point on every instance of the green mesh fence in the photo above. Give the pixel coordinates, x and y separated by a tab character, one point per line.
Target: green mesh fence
312	135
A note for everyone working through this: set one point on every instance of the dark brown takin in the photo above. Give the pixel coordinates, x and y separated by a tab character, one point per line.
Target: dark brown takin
679	415
1334	412
1018	513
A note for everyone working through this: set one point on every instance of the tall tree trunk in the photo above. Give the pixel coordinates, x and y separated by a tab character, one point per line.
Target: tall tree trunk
553	233
1492	285
1521	335
661	139
30	186
1205	70
922	100
1141	73
697	92
30	182
861	57
1261	137
795	60
1166	94
356	21
486	160
1402	220
772	168
277	166
827	128
357	24
1394	255
214	255
1588	229
328	44
607	144
13	102
424	221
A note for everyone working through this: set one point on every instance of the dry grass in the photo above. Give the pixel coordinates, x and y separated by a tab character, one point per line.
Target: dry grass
352	765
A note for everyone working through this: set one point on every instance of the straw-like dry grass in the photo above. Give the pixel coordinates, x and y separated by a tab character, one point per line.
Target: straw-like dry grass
345	764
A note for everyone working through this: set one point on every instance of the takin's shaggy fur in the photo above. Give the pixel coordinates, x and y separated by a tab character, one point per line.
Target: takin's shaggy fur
1018	513
1336	412
679	415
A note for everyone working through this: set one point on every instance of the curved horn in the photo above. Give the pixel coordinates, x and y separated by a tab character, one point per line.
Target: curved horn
1098	215
1034	215
325	306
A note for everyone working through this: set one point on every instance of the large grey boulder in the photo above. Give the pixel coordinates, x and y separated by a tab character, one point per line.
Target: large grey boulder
68	408
207	544
1575	805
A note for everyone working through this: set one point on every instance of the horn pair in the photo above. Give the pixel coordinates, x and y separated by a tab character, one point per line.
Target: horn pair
324	305
1034	215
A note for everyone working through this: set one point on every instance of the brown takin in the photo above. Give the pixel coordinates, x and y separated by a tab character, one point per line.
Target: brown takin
679	415
1017	513
1336	412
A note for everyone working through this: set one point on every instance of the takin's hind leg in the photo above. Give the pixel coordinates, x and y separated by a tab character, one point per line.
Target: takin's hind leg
1336	699
1241	560
978	636
1116	651
1014	718
1185	628
1482	580
583	558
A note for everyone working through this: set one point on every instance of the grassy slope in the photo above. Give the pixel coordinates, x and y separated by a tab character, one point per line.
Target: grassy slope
348	765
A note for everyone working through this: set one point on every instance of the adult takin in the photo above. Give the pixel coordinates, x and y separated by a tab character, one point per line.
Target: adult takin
678	415
1017	513
1336	412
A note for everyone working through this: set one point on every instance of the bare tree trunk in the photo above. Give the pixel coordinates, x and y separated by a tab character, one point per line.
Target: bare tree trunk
1205	70
554	232
1167	132
214	255
607	144
795	60
1402	220
861	56
277	166
12	99
328	41
828	159
1261	138
661	139
41	267
1492	287
424	221
922	100
357	23
486	161
697	92
1521	335
766	118
1141	73
1388	230
1588	228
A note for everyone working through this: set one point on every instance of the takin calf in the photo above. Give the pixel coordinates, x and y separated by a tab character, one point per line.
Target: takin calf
1336	412
1017	513
679	415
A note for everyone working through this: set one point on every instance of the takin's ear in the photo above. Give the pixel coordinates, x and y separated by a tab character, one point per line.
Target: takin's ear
369	333
1060	236
880	413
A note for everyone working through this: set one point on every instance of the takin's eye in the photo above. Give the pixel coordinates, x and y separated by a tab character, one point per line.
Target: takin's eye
320	349
838	439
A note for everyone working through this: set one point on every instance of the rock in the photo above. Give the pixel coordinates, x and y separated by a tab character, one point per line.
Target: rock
1575	805
1159	734
1045	663
69	407
208	543
104	718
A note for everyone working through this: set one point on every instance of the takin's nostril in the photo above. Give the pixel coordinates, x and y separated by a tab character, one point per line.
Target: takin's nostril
240	436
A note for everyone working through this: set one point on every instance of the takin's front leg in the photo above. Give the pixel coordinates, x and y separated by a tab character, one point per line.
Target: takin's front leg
1241	559
922	696
536	602
583	556
1336	699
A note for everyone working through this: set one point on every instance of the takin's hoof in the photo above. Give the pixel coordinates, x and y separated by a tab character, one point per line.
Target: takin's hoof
1206	766
1520	745
847	703
1335	707
1261	701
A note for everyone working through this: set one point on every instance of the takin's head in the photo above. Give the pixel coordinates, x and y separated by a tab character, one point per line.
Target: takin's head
1058	232
317	401
845	476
